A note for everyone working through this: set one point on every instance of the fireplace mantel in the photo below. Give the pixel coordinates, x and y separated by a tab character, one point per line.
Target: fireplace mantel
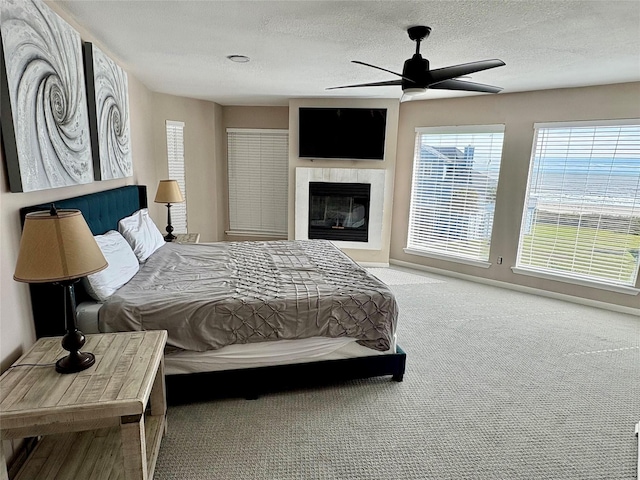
374	177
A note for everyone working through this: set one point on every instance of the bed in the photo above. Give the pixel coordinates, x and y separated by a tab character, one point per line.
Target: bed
272	355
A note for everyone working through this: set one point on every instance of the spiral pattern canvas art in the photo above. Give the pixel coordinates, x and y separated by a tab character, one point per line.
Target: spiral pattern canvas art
44	82
109	115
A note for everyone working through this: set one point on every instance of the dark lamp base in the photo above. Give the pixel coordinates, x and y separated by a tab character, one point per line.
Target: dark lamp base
75	362
169	237
74	339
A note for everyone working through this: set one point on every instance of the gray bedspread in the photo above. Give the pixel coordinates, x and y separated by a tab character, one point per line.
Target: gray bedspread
208	296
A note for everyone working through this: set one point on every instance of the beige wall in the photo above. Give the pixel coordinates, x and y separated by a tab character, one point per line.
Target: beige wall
244	117
221	172
199	119
389	165
518	111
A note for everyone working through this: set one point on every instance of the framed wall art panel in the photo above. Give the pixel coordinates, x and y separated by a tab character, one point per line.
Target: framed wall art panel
107	92
7	131
43	81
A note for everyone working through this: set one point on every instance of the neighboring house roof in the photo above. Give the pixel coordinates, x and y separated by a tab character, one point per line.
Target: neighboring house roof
450	152
446	154
464	178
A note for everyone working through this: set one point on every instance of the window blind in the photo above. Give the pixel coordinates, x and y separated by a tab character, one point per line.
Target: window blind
582	210
258	169
455	178
175	160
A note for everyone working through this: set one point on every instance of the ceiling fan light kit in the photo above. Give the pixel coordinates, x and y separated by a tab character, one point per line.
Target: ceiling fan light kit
417	77
413	91
238	58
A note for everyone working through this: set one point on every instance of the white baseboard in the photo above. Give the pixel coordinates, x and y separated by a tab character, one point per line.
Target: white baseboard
521	288
373	264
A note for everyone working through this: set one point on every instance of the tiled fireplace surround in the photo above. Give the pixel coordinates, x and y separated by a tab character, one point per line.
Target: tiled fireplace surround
375	177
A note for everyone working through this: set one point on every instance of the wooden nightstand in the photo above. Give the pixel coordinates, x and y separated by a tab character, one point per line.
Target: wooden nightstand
93	422
187	238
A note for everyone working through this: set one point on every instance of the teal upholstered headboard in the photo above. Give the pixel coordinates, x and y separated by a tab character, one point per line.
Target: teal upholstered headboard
102	211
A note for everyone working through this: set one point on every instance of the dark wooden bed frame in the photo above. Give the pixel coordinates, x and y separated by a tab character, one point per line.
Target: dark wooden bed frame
102	211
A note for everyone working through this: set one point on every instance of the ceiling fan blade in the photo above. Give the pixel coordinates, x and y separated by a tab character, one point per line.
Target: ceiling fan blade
468	86
383	69
455	71
374	84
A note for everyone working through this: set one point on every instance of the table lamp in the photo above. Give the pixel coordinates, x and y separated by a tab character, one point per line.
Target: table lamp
169	192
58	247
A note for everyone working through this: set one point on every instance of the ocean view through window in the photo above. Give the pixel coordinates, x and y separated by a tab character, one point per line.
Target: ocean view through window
582	209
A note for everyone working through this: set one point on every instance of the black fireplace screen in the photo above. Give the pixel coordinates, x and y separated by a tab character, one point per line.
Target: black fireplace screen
339	211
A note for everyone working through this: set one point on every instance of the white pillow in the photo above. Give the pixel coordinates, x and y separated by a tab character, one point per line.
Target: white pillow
141	233
123	265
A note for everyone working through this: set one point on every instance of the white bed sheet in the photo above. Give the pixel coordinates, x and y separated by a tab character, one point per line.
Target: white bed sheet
87	317
250	355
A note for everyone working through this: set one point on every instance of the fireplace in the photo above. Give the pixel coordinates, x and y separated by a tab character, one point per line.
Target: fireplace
339	211
372	177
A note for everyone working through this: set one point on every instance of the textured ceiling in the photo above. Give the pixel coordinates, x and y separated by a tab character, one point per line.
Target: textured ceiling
299	48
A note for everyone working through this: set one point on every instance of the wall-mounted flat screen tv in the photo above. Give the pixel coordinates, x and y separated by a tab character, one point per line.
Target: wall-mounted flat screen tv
342	133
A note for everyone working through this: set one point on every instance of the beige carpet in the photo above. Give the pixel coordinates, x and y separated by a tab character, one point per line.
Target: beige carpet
394	276
499	385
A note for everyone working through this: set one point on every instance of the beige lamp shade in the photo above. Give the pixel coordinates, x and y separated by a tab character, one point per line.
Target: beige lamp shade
57	247
169	192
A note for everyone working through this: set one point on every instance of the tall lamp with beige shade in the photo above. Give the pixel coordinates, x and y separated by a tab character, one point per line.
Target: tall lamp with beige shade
58	247
169	192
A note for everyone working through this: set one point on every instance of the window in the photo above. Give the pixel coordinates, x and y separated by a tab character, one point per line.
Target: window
175	160
582	210
258	167
455	178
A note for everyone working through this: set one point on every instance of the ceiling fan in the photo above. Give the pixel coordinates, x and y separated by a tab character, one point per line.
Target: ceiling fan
416	76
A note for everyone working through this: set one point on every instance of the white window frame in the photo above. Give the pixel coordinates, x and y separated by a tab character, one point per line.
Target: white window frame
418	233
177	171
585	207
258	179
